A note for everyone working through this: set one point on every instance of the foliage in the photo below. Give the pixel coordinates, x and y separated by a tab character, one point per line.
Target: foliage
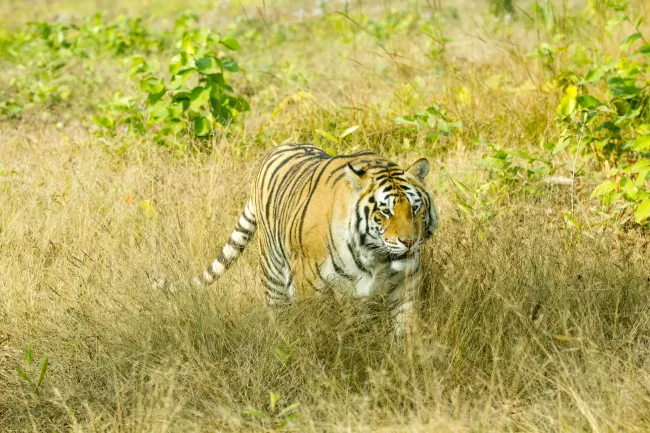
615	132
276	417
433	122
196	98
508	167
33	375
52	60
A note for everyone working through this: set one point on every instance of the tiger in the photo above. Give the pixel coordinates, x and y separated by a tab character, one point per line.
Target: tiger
355	221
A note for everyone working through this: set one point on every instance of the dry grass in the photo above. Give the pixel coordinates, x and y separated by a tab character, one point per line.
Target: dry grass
524	324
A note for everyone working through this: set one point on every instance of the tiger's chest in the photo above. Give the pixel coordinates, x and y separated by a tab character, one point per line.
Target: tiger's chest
361	275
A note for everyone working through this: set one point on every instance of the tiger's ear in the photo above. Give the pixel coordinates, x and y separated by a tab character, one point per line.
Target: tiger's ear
420	169
356	176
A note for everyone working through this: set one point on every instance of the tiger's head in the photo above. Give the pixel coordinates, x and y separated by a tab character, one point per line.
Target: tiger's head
395	213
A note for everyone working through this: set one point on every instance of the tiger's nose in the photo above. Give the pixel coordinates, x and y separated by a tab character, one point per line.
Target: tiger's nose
407	242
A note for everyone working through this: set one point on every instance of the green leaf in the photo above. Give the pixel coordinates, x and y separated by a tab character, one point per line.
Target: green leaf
27	356
645	49
208	65
641	143
24	376
629	41
643	211
638	167
614	22
199	97
230	43
152	85
642	176
639	21
631	114
327	135
406	120
43	367
255	413
348	131
273	399
181	78
201	125
603	189
571	221
594	74
231	66
288	409
588	101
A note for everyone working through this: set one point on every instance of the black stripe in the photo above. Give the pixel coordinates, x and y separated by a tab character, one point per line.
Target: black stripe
235	245
248	220
226	262
357	260
244	231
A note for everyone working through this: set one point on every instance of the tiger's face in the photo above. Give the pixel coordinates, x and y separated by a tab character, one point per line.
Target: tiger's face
396	209
397	223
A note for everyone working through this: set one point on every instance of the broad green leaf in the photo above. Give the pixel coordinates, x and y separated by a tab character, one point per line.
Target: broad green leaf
181	78
199	97
594	74
645	49
642	176
642	143
230	43
239	104
603	189
231	66
638	167
201	125
614	22
152	85
435	111
588	101
183	98
208	65
406	120
630	114
348	131
432	136
629	41
187	45
326	135
642	212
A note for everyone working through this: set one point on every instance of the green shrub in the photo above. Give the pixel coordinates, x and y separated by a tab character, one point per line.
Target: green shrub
607	114
49	61
196	98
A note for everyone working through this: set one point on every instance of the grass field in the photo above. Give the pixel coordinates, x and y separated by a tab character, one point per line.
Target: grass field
529	321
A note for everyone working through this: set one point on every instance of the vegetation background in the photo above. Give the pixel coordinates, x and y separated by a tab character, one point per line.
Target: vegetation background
129	133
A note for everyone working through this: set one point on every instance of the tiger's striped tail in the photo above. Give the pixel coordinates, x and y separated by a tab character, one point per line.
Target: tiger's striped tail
239	239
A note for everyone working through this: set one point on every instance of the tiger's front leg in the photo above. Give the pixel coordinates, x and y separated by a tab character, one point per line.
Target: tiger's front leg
401	298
